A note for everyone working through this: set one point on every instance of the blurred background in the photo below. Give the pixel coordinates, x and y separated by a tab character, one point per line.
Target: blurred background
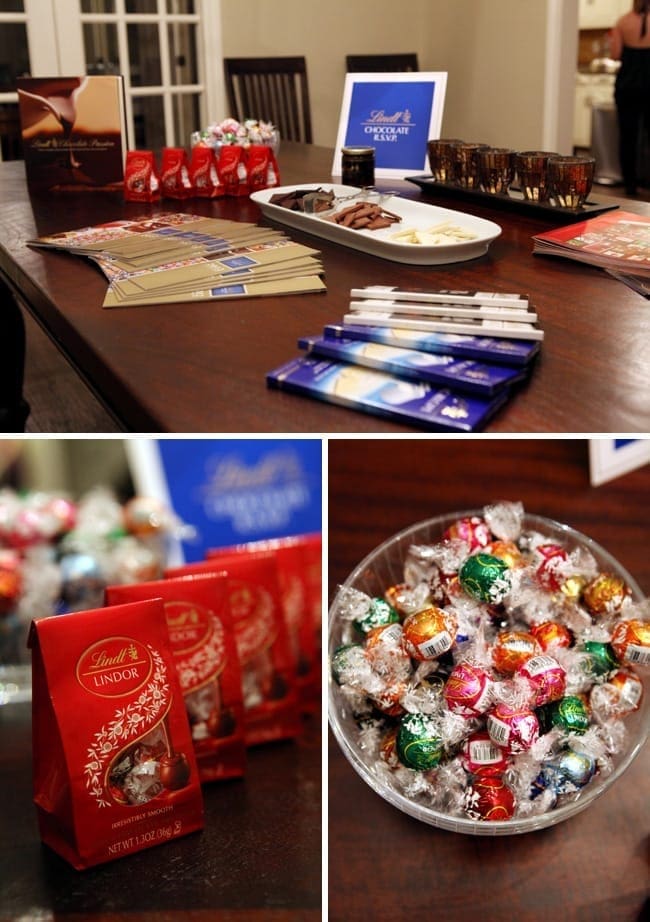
77	515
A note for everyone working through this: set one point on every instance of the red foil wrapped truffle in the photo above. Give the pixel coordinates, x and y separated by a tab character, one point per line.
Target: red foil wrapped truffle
546	677
467	690
489	798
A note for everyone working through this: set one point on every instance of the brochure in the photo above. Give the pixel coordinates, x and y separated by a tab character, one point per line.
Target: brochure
174	257
617	240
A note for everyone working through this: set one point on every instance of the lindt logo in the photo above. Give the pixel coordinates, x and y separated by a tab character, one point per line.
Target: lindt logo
188	624
114	666
243	600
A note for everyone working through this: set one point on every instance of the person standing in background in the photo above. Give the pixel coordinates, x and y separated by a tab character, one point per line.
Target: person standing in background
630	43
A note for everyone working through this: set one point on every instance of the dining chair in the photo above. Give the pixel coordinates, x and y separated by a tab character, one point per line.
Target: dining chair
273	90
376	63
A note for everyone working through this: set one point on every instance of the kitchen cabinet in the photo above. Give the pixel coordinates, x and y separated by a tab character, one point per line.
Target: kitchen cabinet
590	89
601	14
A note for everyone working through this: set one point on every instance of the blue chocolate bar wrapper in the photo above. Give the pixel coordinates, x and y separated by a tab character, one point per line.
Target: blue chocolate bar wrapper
431	408
464	375
484	348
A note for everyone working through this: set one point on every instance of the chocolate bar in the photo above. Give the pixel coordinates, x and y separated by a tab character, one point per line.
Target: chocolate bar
485	348
463	375
423	405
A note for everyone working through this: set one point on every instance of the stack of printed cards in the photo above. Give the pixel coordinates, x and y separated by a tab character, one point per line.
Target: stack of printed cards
428	375
183	257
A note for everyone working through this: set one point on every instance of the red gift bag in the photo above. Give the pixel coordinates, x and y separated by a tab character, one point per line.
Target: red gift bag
268	668
113	766
203	642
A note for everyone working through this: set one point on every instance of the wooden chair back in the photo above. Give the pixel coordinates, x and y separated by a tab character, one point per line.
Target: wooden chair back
376	63
272	90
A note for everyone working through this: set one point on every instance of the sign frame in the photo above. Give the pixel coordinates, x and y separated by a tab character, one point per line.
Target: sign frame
229	491
360	127
611	458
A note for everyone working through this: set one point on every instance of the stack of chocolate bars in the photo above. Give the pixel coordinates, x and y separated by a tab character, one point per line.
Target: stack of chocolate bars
439	360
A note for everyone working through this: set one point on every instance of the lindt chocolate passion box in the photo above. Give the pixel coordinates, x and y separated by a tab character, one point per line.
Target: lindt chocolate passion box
113	767
299	574
204	647
268	669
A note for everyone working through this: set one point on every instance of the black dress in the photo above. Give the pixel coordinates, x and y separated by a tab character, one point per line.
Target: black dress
632	95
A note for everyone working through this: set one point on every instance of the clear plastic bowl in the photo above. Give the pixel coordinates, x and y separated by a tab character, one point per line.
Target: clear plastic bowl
383	567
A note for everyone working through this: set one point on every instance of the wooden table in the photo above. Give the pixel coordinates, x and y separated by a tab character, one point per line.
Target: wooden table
386	865
258	858
202	367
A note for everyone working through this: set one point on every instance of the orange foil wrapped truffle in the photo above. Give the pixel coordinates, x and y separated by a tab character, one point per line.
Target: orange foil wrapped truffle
429	633
506	551
605	594
511	650
631	642
552	634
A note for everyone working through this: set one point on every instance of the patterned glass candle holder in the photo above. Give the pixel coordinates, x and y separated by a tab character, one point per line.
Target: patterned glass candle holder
496	169
465	165
531	167
570	180
441	158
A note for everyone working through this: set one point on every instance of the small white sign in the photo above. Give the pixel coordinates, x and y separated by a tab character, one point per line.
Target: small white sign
610	458
396	113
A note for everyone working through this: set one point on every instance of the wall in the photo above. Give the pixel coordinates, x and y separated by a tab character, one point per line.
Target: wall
495	52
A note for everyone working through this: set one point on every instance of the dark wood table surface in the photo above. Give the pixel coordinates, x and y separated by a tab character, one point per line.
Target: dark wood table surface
258	858
202	367
388	866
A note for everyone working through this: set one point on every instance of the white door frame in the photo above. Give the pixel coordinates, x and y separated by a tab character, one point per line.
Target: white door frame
55	38
559	76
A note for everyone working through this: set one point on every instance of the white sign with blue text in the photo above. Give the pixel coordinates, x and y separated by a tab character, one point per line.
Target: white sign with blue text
396	113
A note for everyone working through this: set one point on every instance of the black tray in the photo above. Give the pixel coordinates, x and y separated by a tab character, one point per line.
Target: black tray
514	201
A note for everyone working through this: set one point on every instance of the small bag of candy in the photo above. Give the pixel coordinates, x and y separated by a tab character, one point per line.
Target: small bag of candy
141	180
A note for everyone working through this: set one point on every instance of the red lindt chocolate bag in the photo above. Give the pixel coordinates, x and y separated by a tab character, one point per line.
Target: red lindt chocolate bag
312	548
299	569
262	168
268	670
174	173
113	765
204	175
141	181
231	165
203	643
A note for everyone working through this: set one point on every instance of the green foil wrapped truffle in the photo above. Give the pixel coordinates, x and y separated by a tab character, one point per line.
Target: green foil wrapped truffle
485	577
379	614
345	660
570	714
419	743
